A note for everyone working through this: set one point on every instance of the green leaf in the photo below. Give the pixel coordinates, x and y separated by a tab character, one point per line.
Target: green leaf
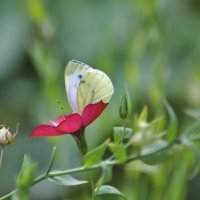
195	126
26	178
106	175
95	156
107	189
154	147
158	123
144	114
156	152
27	173
172	129
118	133
119	151
66	180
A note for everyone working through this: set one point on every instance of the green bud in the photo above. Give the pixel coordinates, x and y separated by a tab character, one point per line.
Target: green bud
123	109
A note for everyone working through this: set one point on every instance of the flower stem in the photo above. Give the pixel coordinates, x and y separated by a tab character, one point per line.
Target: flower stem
8	195
53	155
124	126
92	186
1	156
124	131
81	142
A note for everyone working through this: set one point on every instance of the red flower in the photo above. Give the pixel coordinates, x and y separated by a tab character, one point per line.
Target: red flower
70	124
89	91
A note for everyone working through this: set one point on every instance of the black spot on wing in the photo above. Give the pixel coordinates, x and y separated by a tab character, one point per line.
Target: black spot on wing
80	76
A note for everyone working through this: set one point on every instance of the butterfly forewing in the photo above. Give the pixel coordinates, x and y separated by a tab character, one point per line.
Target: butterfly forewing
74	72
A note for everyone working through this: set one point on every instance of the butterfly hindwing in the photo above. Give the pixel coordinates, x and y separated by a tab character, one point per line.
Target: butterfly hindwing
94	87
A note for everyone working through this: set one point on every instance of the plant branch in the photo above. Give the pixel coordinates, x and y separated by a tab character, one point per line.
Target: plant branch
53	156
1	156
83	168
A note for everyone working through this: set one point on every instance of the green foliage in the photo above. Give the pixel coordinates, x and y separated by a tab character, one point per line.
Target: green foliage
152	154
172	129
142	43
119	151
95	156
155	153
26	178
107	189
146	132
66	181
143	115
119	133
27	173
106	174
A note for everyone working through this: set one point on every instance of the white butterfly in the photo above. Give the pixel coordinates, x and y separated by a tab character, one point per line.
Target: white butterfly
85	85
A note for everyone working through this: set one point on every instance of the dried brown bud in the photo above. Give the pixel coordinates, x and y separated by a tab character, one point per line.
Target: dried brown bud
6	137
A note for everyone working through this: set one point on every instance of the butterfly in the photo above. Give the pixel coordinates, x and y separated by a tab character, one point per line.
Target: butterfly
85	85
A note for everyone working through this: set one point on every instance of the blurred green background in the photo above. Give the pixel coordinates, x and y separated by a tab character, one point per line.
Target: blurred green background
151	47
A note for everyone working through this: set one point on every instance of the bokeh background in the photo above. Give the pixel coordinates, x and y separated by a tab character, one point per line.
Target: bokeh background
151	47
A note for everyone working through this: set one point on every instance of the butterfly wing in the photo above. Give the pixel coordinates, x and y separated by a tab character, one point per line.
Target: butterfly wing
74	72
85	85
95	86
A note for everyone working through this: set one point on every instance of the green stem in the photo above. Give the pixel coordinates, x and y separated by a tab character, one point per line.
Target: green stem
53	155
8	195
84	169
1	156
124	131
81	142
92	186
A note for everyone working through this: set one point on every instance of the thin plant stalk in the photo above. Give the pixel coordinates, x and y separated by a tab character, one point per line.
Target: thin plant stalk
1	156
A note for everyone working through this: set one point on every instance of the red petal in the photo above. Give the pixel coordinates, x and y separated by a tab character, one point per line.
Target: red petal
92	111
45	130
71	124
57	121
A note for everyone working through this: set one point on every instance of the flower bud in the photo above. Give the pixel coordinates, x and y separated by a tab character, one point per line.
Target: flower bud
123	109
6	137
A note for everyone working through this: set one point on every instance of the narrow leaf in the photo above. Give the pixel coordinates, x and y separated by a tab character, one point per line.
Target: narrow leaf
154	147
118	133
156	152
106	175
107	189
119	151
95	156
66	181
172	129
195	126
26	177
27	173
143	114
